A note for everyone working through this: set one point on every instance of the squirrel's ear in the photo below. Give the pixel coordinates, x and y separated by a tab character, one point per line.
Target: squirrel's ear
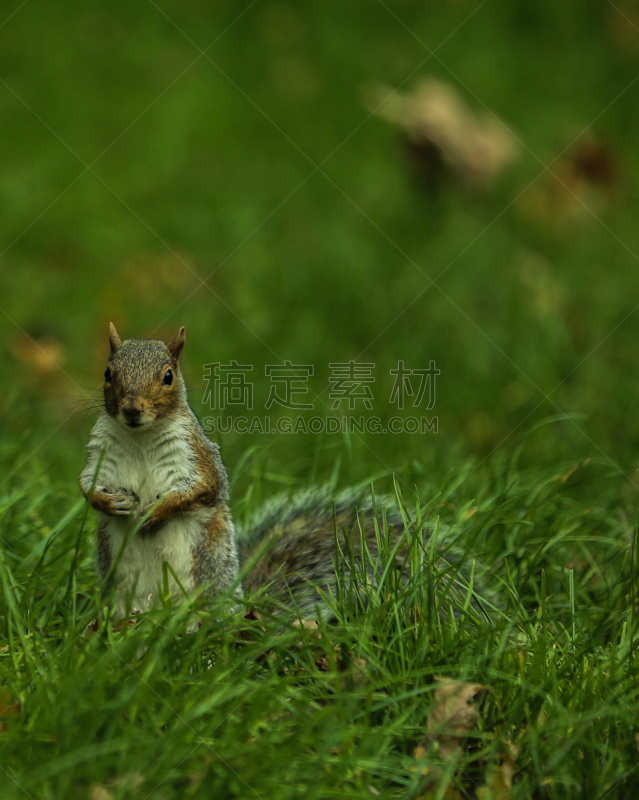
176	345
114	339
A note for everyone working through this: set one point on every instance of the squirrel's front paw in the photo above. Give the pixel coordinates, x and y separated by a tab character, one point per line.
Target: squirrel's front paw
148	523
122	503
128	493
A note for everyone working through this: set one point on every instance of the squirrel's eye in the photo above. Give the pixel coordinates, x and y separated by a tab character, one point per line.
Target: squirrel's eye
168	378
107	375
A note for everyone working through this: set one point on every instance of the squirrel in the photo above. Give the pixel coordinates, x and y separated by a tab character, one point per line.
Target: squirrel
161	492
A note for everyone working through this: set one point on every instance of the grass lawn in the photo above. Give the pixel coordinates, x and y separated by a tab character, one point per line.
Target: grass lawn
220	167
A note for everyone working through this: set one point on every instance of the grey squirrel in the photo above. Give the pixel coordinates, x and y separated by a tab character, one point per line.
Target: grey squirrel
161	492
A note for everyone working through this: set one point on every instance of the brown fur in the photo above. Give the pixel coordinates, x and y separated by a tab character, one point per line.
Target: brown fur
216	557
202	494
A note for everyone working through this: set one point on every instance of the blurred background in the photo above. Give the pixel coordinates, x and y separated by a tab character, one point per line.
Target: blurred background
370	181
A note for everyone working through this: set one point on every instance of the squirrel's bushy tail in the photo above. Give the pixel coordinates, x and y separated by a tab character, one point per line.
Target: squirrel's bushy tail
316	552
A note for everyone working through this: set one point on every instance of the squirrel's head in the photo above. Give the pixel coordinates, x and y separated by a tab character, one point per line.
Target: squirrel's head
142	381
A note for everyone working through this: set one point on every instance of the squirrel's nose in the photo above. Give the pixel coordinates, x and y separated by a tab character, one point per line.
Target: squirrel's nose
131	410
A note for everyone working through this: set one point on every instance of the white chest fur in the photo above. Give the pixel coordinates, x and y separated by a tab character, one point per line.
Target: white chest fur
141	573
145	462
148	464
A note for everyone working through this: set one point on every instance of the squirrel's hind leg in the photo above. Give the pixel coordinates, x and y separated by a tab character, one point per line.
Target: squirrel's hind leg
215	557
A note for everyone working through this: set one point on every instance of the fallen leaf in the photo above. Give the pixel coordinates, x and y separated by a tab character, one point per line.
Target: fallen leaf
452	716
269	655
360	673
250	616
44	355
445	134
356	672
593	163
120	625
98	791
323	663
128	780
433	780
582	181
310	628
499	776
91	628
306	624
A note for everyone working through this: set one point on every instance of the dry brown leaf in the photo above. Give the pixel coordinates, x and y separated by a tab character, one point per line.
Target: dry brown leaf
582	182
433	778
499	777
452	716
309	626
360	673
357	672
44	355
91	628
129	781
269	655
98	791
590	163
247	635
446	133
306	624
323	663
120	625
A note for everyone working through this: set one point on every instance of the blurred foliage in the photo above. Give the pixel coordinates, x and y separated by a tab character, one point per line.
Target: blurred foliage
218	167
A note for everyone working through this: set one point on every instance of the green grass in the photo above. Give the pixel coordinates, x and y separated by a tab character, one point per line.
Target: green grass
206	169
241	708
